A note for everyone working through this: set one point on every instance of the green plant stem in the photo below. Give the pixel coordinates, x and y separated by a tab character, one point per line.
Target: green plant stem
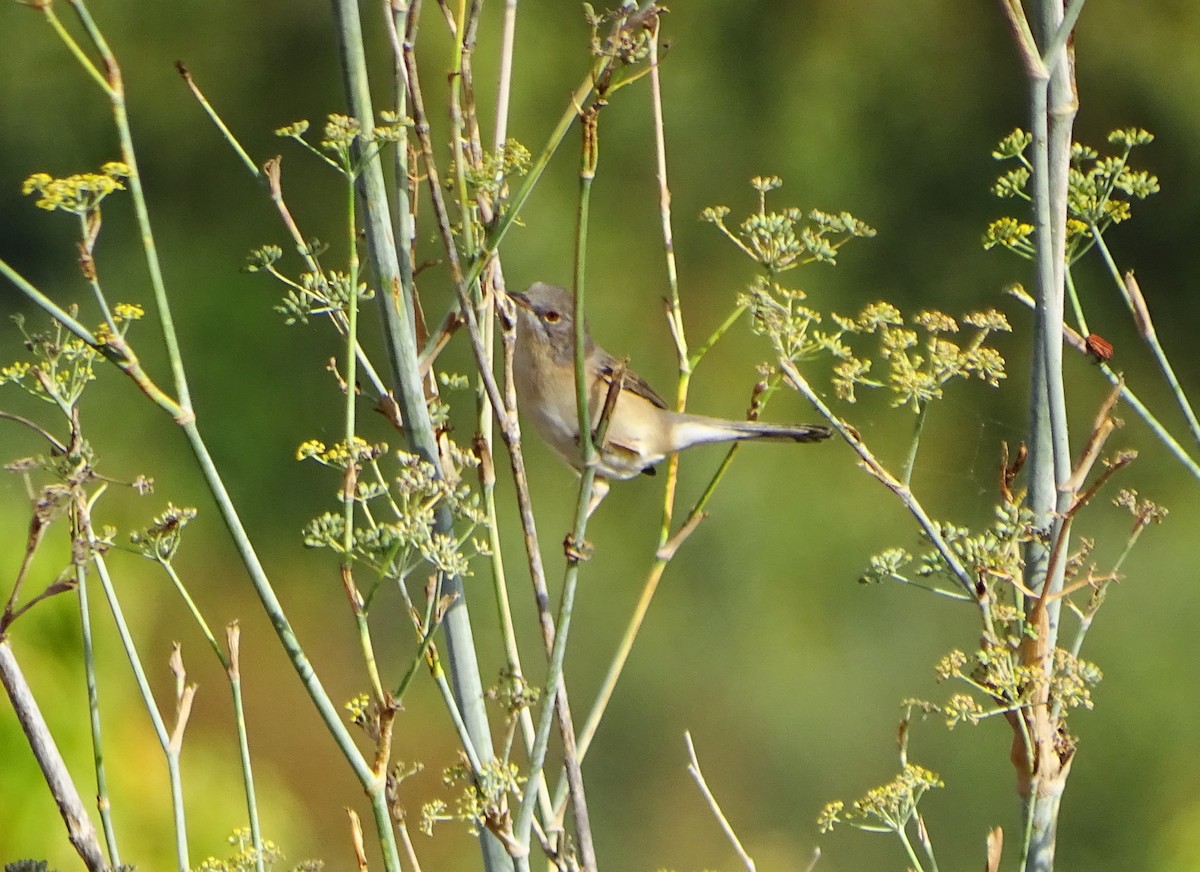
73	46
685	365
270	177
181	411
160	730
404	222
120	354
667	544
698	776
1151	337
241	153
373	784
1049	461
591	459
458	135
103	803
587	442
1053	104
665	553
508	633
503	220
409	849
426	630
926	846
583	378
675	307
1027	826
228	662
504	84
1086	617
908	849
233	672
422	649
1127	395
460	725
716	335
462	80
1060	115
87	246
393	269
116	92
1076	305
537	756
459	637
1063	32
510	432
183	592
910	459
111	352
353	468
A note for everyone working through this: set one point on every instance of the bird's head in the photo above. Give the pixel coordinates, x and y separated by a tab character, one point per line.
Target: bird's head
546	317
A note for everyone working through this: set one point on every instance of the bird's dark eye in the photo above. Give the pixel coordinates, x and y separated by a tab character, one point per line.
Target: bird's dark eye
552	316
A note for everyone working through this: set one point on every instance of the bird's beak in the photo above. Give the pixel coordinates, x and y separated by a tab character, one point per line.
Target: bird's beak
521	300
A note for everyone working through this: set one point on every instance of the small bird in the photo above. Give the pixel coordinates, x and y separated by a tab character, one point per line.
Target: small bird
641	429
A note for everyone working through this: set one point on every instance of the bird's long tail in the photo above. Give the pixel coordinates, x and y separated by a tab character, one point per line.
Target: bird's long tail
697	429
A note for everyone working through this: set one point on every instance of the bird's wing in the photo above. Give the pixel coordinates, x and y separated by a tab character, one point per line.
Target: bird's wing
607	366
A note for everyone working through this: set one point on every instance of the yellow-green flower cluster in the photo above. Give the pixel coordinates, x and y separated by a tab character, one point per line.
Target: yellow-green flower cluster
162	538
484	798
245	857
80	193
887	808
341	135
783	240
339	455
1100	191
400	524
918	369
60	368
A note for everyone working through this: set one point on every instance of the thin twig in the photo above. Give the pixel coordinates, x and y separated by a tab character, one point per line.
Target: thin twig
694	770
1077	342
233	637
461	282
103	799
1132	295
80	830
37	428
876	469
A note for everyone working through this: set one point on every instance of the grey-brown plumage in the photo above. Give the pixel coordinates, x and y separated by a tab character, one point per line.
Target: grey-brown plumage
641	429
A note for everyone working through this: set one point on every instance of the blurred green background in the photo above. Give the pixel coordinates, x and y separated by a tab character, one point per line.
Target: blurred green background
787	672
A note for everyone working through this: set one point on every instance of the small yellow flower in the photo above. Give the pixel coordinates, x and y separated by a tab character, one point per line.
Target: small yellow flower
128	312
80	193
14	373
310	448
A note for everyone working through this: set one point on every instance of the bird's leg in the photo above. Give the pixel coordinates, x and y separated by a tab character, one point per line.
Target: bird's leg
577	551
